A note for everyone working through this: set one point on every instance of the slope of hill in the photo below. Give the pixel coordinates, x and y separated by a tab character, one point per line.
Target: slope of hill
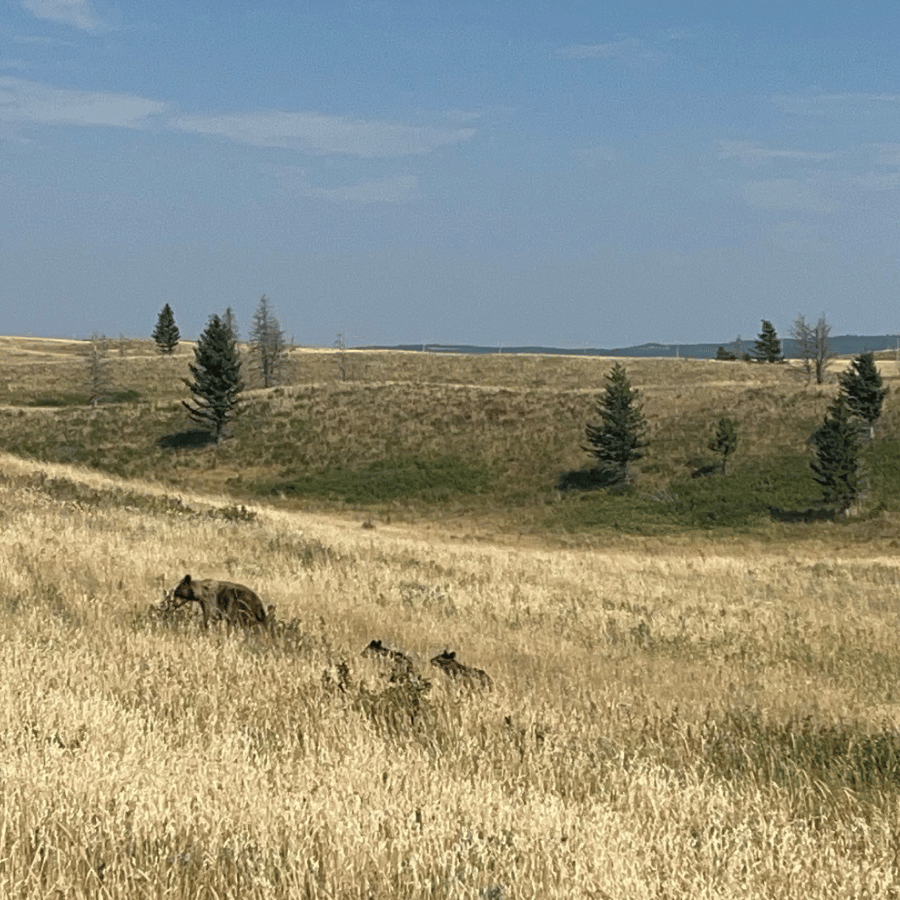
716	715
485	442
685	691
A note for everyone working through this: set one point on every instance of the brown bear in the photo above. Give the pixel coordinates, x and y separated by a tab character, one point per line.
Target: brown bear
452	668
234	603
402	664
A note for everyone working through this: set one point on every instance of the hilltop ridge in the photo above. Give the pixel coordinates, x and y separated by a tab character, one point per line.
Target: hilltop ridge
843	345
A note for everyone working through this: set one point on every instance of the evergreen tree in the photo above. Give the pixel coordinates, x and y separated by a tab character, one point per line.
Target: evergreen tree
166	333
267	341
836	466
725	440
217	378
861	385
618	439
230	321
767	347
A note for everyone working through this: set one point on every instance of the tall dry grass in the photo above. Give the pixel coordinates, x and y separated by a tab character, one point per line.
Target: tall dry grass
675	719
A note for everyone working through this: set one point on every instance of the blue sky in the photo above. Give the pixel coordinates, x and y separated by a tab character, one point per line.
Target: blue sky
572	173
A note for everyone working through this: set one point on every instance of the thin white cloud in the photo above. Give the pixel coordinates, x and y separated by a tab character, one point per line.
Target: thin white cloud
797	237
872	168
882	174
877	182
624	49
753	153
14	65
887	155
595	155
323	134
393	189
629	50
784	194
837	104
75	13
25	102
462	116
29	102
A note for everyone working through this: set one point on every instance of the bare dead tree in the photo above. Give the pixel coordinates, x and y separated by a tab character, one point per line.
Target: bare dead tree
99	375
802	335
267	342
823	352
343	362
813	343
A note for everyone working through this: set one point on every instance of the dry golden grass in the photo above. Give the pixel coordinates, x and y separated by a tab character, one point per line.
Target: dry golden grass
670	718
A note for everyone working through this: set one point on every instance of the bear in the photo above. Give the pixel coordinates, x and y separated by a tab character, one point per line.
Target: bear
452	668
400	662
234	603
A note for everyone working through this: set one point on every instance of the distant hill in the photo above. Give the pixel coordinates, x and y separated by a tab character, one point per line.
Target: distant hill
844	345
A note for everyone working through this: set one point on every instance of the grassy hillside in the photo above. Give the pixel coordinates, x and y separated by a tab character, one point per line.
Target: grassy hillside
681	706
677	718
486	439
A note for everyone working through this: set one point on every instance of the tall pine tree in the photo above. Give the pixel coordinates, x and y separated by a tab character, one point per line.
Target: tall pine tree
862	387
217	383
166	333
767	347
618	440
836	466
230	320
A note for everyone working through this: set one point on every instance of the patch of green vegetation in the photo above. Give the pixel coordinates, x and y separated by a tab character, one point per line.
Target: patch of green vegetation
433	480
881	466
57	400
743	496
739	499
124	396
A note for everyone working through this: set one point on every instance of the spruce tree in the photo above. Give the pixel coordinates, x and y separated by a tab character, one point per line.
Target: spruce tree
836	445
230	320
725	440
166	333
618	439
217	383
861	385
767	347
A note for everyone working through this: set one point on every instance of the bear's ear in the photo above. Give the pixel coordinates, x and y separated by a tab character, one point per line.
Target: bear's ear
186	579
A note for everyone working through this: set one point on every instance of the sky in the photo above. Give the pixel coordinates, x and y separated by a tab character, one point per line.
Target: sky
567	173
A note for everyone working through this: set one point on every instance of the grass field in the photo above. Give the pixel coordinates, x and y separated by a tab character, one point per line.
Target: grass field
682	707
421	437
